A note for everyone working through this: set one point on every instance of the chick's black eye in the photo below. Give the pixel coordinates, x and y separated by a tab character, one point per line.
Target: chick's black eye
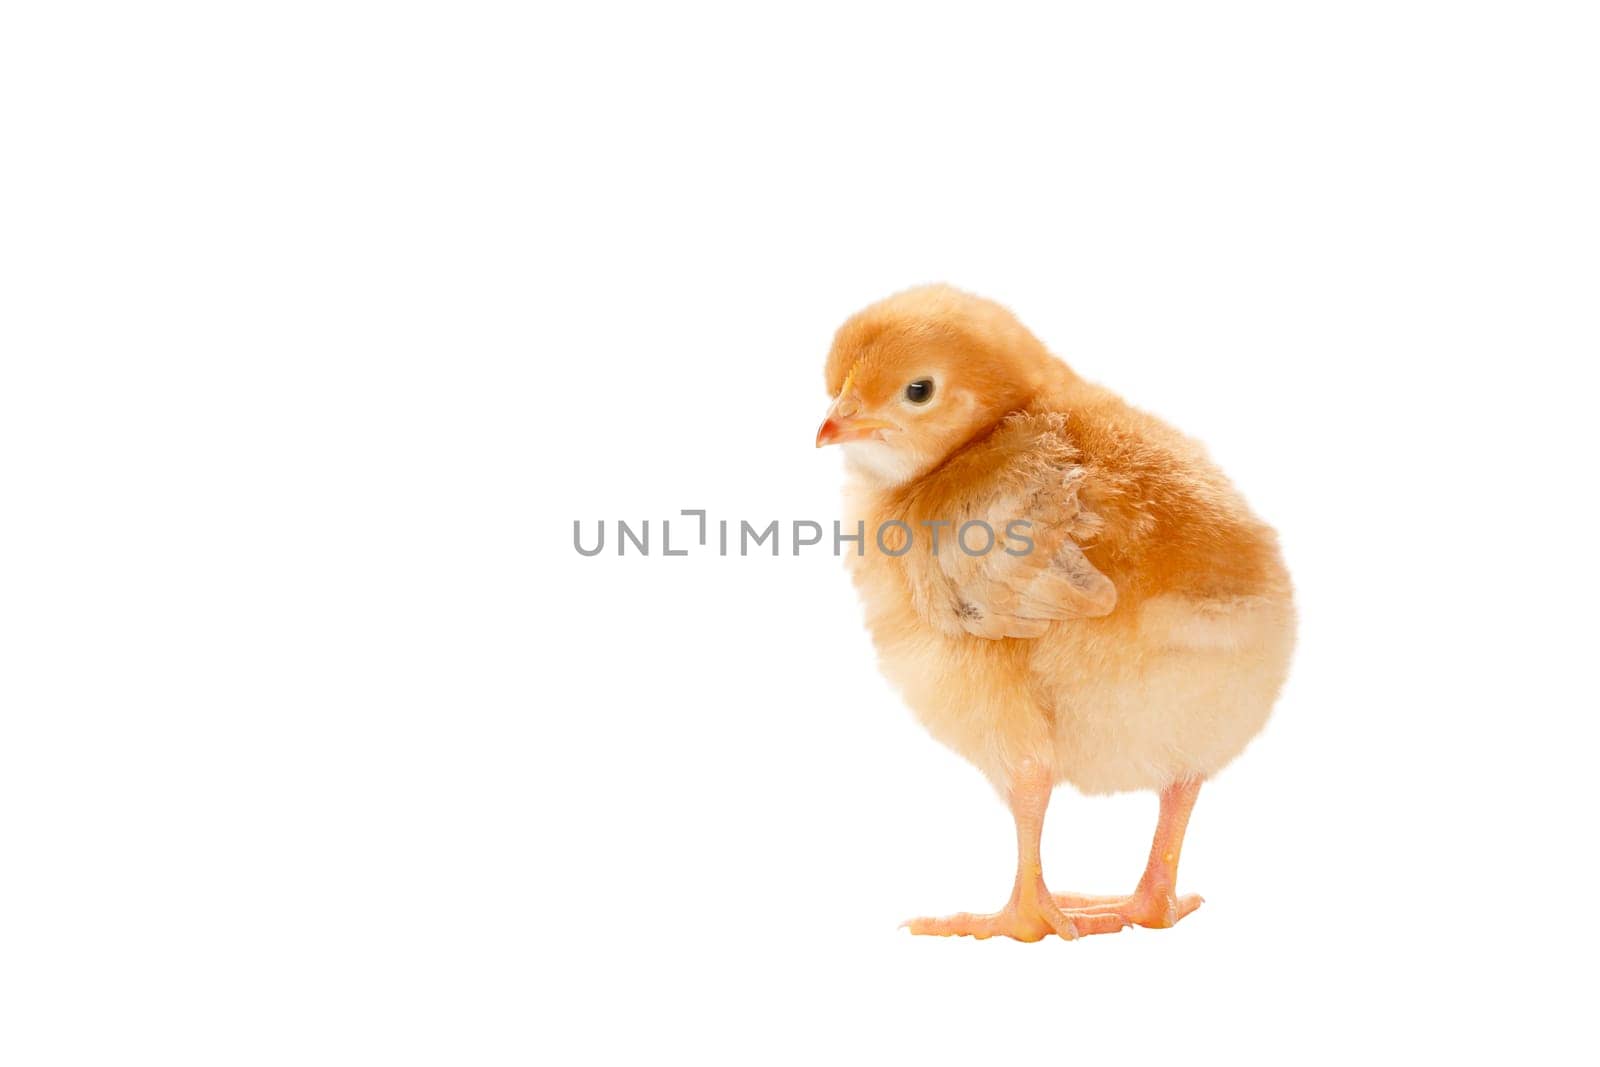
920	391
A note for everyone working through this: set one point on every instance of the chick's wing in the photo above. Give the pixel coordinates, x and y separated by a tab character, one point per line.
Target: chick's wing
1024	484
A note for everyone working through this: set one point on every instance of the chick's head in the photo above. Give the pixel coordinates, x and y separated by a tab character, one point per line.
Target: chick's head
918	375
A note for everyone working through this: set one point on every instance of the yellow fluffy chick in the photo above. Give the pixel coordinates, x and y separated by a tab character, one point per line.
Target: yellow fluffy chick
1127	626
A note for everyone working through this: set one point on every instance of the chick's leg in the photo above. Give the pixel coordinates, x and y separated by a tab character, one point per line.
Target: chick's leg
1155	902
1031	913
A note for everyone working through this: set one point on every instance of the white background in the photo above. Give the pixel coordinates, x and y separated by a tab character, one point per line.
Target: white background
321	323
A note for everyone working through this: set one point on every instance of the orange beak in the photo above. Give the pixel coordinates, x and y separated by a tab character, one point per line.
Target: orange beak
837	430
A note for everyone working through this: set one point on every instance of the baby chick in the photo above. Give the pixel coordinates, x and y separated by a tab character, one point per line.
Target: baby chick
1139	644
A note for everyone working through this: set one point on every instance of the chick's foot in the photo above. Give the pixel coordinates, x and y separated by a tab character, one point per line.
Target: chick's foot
1030	915
1149	908
1155	903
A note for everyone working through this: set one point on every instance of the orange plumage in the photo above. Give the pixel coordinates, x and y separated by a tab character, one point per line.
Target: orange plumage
1140	645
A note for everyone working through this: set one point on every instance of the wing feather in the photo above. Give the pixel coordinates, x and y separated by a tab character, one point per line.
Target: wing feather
1012	592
